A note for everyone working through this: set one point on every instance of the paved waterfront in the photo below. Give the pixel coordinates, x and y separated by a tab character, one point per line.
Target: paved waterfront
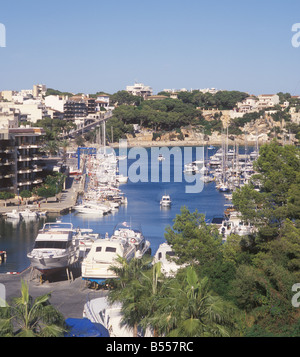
67	199
68	297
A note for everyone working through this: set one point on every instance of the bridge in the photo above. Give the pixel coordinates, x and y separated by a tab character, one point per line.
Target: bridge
87	127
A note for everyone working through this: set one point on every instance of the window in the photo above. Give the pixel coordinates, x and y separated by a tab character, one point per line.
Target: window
52	244
111	249
98	249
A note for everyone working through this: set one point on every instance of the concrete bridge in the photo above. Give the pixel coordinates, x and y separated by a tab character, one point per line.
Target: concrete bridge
89	126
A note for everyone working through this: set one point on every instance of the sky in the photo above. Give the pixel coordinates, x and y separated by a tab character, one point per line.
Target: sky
98	45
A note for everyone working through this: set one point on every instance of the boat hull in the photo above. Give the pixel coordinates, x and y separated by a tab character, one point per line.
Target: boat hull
50	265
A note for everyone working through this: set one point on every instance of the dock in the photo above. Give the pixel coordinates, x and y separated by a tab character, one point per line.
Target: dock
62	204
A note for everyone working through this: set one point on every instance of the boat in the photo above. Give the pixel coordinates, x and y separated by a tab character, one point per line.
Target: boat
122	179
160	157
27	213
211	147
191	168
133	234
85	238
166	256
126	242
13	214
100	312
102	255
54	248
165	201
92	208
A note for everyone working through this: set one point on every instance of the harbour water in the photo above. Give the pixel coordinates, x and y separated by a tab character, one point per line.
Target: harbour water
143	207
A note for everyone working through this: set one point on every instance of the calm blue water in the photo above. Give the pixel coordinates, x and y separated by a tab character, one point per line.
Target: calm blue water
143	207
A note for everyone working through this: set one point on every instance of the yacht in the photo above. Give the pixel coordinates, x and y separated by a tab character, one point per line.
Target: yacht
54	248
165	201
126	242
100	311
166	256
160	157
191	168
134	236
92	208
102	255
13	214
27	213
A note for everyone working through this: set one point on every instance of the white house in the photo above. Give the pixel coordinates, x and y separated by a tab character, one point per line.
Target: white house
139	89
267	100
55	102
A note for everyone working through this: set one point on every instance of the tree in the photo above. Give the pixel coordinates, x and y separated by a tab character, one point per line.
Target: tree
25	194
192	240
129	291
190	309
278	177
28	317
5	195
46	191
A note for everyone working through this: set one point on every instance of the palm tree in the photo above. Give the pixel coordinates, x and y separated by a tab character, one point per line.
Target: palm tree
129	291
190	309
64	145
28	317
51	147
153	283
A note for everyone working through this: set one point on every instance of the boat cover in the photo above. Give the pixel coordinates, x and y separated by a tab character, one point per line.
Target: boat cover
85	328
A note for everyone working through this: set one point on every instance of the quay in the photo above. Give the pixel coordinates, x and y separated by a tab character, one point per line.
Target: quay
62	204
67	296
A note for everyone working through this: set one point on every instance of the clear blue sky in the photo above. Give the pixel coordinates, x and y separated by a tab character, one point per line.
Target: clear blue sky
96	45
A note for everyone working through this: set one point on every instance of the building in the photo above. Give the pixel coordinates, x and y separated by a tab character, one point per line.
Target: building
39	90
248	105
102	101
55	102
139	89
75	107
20	159
267	101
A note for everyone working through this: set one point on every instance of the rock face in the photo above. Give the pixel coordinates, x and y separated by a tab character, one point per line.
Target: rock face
261	130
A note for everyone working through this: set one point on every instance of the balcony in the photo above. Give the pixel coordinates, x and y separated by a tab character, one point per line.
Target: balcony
24	170
24	158
37	181
26	182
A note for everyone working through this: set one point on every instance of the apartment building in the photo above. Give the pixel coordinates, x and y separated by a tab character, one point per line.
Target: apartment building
20	158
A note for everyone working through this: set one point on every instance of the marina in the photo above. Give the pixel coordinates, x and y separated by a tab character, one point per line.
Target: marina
133	201
81	245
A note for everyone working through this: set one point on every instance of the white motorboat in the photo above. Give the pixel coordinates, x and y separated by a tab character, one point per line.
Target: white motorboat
13	214
55	248
92	208
102	255
126	242
160	157
27	213
166	257
121	179
191	168
166	201
134	236
100	311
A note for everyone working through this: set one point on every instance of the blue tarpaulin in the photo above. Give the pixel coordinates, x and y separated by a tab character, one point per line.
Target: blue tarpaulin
85	328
